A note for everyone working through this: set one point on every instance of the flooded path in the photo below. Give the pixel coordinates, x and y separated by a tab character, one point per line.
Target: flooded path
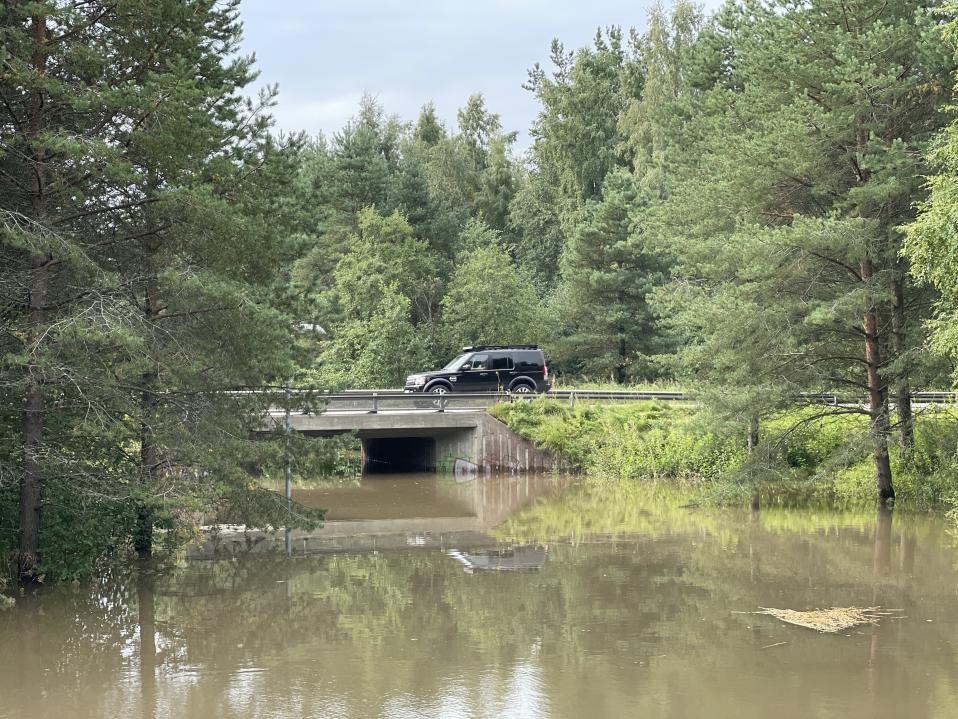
596	602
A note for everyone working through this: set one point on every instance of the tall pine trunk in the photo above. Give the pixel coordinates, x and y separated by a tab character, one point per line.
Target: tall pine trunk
149	452
621	351
877	396
899	339
751	441
28	554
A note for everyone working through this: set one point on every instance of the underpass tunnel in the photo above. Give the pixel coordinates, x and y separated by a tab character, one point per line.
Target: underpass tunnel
389	455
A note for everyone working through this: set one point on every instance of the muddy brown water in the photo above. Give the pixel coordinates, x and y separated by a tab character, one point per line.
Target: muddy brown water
591	603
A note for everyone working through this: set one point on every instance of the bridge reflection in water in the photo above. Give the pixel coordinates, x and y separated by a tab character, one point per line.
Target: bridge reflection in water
398	511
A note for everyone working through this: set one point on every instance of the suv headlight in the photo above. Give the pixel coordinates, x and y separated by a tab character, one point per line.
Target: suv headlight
416	380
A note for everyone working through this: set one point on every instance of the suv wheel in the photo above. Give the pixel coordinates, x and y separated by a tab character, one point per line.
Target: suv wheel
522	389
440	389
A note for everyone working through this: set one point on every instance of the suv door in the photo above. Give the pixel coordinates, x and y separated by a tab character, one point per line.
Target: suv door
504	369
478	377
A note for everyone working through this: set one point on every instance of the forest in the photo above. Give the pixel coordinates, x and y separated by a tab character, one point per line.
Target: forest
752	204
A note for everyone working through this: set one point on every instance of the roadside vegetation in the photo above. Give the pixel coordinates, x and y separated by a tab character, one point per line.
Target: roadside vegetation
802	457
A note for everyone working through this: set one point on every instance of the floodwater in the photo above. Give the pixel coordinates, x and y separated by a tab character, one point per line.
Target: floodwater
506	597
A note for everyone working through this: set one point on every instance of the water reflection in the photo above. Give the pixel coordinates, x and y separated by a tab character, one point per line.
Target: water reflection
633	610
507	559
146	626
399	511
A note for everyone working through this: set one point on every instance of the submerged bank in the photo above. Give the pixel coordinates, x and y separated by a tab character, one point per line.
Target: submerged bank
827	460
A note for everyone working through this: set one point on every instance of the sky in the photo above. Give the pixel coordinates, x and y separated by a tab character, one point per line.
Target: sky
324	55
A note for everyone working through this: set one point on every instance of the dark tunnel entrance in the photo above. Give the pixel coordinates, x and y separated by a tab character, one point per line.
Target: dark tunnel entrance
389	455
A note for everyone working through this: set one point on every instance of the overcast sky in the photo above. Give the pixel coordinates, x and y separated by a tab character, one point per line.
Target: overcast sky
324	55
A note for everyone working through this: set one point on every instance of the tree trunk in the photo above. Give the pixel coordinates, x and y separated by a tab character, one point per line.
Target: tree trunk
32	482
31	485
899	339
149	453
620	367
751	440
877	396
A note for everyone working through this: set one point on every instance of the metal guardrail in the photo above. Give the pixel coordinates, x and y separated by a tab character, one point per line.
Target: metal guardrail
385	400
934	397
376	401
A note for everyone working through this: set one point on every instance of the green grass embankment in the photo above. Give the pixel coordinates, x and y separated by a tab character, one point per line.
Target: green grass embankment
828	459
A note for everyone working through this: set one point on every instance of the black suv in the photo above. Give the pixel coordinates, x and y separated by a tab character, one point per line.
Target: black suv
487	368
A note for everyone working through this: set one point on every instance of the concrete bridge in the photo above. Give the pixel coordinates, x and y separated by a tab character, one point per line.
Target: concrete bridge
415	433
421	432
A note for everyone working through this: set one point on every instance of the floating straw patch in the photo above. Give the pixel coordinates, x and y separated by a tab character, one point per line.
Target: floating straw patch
836	619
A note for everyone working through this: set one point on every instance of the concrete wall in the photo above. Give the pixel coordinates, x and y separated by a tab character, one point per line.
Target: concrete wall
493	447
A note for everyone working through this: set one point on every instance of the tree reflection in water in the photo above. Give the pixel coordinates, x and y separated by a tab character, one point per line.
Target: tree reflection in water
634	616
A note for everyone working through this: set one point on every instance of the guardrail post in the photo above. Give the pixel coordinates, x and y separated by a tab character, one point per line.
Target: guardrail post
375	403
571	400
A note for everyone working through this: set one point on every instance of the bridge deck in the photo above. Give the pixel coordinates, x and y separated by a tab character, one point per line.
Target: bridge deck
410	422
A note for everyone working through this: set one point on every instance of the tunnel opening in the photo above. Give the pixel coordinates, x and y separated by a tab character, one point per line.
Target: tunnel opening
391	455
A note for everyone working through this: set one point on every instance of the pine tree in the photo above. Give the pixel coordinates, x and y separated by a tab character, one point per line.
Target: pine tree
805	159
577	128
131	313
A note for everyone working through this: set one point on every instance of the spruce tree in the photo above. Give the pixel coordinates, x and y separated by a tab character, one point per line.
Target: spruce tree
608	273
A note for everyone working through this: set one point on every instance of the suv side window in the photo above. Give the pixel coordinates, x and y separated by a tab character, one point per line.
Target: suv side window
528	361
501	361
479	361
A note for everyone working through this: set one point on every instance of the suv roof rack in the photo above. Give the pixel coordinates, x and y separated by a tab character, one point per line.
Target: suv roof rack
480	348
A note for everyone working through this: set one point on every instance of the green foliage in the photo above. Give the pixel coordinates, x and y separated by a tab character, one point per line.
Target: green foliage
375	349
141	264
932	240
488	300
668	450
576	134
385	252
386	290
789	177
81	529
534	220
638	440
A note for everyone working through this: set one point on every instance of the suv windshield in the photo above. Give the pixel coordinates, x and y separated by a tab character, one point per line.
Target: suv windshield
456	363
